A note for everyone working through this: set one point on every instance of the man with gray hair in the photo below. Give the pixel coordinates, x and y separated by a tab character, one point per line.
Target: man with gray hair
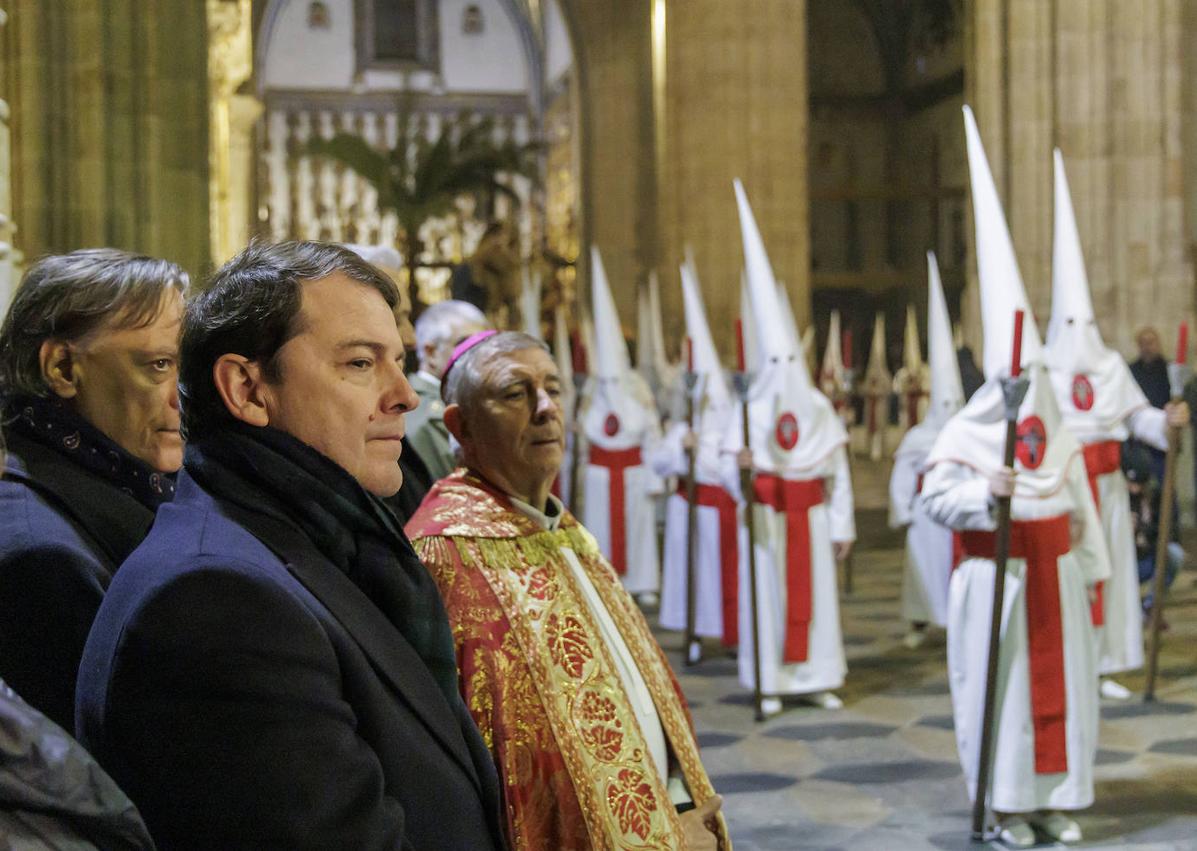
90	413
556	663
439	328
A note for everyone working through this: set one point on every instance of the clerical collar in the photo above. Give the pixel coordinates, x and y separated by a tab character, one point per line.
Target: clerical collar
549	519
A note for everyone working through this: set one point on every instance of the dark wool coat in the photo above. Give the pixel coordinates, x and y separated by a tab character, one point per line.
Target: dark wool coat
63	533
246	693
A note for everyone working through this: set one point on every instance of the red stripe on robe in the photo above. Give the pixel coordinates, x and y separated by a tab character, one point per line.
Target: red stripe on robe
1100	459
1041	543
794	499
616	461
716	497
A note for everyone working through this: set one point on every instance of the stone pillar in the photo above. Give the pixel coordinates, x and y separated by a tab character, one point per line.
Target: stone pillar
233	120
109	126
613	63
1107	82
735	106
9	257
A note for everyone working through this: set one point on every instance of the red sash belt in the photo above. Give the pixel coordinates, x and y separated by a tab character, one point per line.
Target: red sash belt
716	497
794	500
1041	543
1100	459
912	406
616	461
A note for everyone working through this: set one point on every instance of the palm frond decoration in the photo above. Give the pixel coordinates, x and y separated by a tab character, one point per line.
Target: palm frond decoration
421	179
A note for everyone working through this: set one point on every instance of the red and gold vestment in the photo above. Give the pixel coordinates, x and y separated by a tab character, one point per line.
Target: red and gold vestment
541	683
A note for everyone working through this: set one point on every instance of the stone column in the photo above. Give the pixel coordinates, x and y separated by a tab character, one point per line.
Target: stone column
109	125
613	63
232	122
9	257
735	106
1107	82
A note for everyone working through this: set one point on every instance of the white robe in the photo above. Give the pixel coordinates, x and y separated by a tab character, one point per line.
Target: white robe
669	459
1120	638
958	497
928	562
641	430
832	520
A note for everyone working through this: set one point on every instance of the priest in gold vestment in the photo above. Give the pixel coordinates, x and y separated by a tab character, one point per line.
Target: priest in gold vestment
588	727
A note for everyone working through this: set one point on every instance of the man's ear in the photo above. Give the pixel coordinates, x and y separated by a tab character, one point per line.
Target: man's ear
239	382
58	367
455	423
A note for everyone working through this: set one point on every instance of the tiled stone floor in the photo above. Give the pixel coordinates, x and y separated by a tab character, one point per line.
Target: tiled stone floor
882	773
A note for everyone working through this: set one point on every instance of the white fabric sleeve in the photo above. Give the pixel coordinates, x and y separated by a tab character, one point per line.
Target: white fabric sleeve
667	457
902	485
1088	538
957	496
840	508
1150	425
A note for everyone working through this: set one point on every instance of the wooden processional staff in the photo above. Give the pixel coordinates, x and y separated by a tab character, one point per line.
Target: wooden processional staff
1014	389
1178	374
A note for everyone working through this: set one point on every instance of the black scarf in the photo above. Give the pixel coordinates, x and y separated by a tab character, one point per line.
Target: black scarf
51	423
266	470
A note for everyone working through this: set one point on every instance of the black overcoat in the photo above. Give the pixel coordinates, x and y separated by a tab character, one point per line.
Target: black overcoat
247	694
63	532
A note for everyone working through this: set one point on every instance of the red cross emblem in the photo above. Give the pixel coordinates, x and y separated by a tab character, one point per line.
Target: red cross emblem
1082	393
611	425
787	431
1032	442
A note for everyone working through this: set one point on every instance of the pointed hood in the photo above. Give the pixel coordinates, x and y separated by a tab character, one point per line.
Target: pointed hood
787	317
752	349
1093	384
947	392
621	407
793	427
762	287
712	382
975	436
831	374
808	347
912	353
1002	290
530	289
609	359
876	376
645	346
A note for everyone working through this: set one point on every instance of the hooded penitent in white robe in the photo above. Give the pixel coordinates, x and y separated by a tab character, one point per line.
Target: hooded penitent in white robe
1046	700
913	378
1102	405
621	426
803	501
832	373
929	545
716	560
876	388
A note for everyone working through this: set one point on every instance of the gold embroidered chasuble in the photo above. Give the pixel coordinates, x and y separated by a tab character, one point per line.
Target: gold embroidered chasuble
541	683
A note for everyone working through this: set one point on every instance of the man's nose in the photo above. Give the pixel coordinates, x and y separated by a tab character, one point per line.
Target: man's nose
546	405
172	398
401	395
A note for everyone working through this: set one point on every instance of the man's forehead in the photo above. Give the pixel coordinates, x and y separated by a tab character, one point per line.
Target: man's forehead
337	305
530	362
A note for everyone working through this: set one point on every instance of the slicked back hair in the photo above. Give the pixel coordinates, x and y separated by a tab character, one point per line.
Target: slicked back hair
68	297
251	307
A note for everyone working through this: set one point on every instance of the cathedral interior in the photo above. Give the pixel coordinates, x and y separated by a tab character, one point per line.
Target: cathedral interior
186	128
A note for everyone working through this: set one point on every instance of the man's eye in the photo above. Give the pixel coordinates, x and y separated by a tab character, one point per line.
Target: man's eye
161	364
553	391
361	363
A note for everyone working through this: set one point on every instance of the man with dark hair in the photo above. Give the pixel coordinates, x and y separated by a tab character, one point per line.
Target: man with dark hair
272	667
90	413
